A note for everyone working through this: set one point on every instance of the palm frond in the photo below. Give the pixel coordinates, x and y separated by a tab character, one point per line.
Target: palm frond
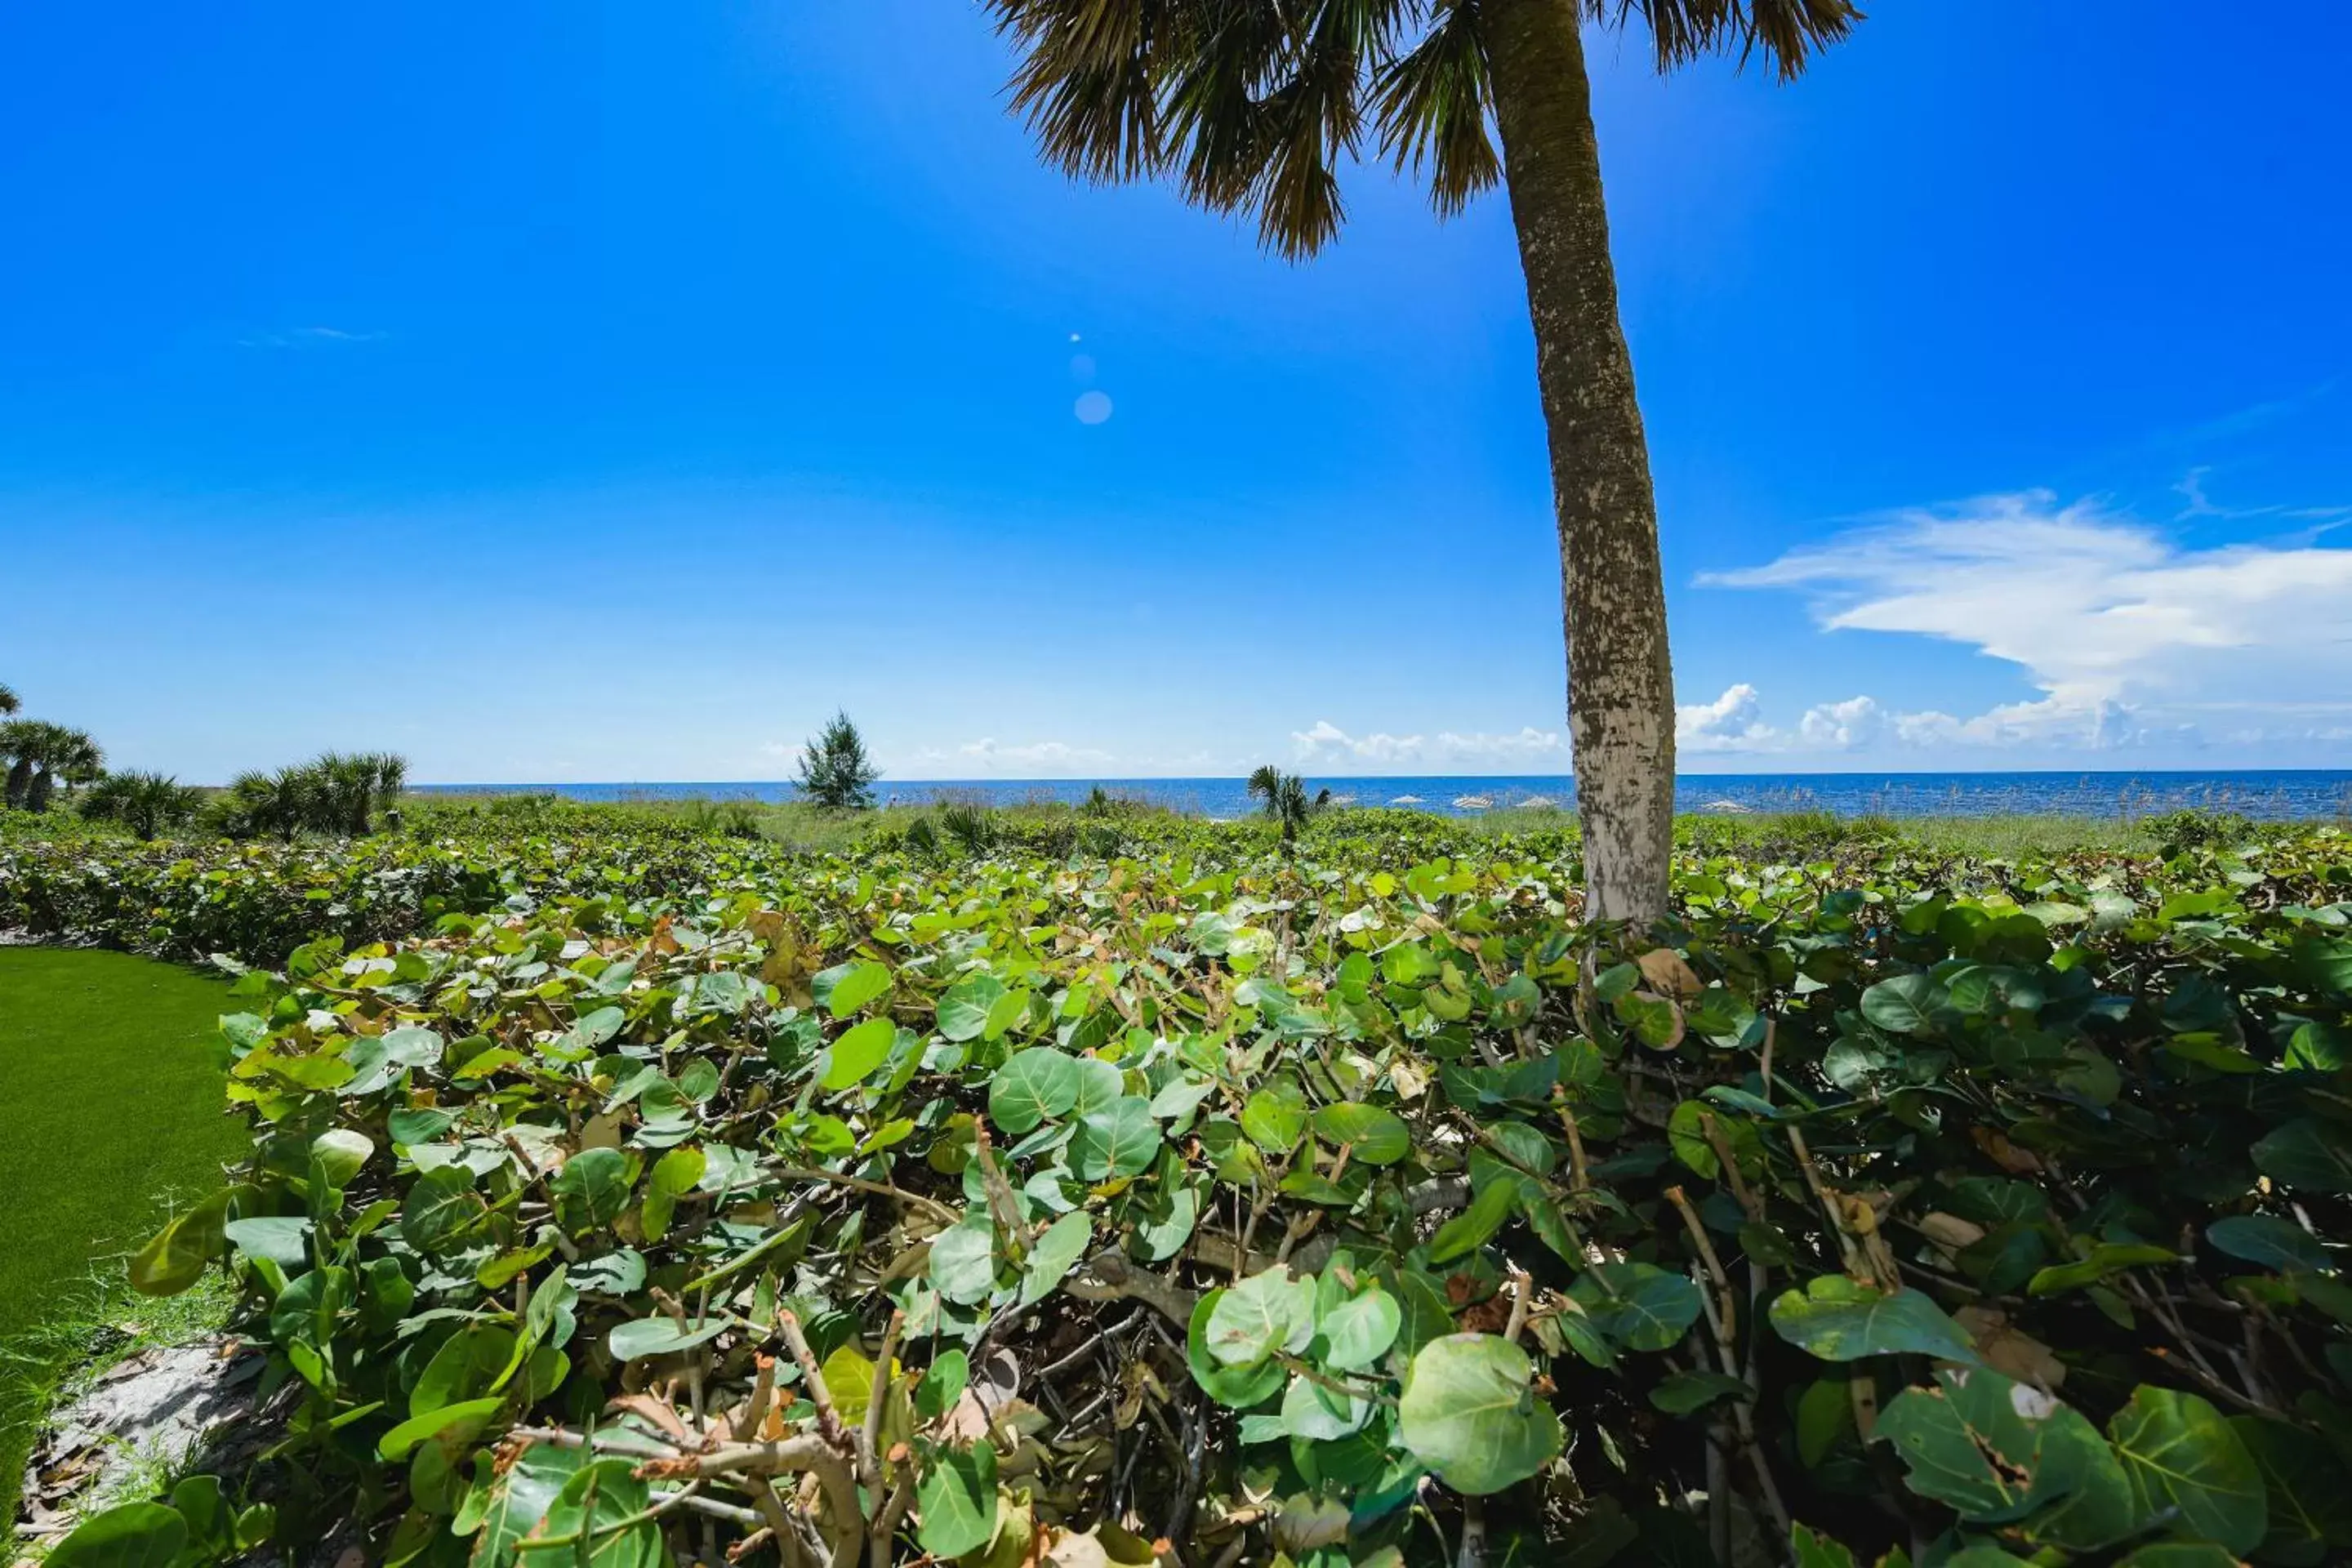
1788	32
1432	108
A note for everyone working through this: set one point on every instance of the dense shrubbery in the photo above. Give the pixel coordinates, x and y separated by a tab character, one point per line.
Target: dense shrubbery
652	1193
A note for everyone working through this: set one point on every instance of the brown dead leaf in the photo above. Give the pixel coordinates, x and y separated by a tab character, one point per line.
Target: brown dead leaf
2011	1350
1667	974
1949	1231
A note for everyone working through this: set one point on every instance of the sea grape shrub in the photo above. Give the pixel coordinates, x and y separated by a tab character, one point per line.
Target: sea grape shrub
1186	1205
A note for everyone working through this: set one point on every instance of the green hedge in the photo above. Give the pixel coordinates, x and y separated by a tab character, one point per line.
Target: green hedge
654	1202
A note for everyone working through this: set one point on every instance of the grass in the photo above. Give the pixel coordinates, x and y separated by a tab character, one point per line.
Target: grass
108	1098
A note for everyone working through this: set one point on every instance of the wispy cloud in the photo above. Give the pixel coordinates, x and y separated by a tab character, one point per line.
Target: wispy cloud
306	338
1324	744
2127	634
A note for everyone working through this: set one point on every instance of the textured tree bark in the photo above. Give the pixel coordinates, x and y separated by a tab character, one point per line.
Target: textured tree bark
1621	693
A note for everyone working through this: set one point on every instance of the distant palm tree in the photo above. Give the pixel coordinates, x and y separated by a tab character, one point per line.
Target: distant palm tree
20	746
8	702
1252	106
39	756
1286	802
145	803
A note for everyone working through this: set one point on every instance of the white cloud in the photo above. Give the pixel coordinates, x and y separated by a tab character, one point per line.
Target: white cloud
2129	635
1326	746
1842	726
991	756
1732	722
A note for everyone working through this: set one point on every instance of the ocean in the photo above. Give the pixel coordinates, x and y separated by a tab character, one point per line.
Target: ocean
2277	794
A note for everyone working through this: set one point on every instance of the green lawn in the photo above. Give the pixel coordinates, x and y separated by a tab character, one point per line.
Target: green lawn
108	1099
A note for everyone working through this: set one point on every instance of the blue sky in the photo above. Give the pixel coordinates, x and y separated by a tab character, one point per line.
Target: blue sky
601	391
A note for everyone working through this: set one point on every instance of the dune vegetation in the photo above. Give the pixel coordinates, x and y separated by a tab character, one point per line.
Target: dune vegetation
1105	1186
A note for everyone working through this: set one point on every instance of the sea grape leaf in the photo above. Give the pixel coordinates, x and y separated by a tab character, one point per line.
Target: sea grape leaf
1119	1139
963	1012
1838	1320
957	1495
1473	1226
1688	1391
135	1535
2272	1242
1638	1305
2180	1453
2307	1154
851	1059
1373	1136
843	990
963	1260
1055	1253
1033	1086
591	1190
1470	1412
1266	1312
1359	1330
1991	1448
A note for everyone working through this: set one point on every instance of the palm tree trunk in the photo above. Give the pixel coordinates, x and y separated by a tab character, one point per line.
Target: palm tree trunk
1621	693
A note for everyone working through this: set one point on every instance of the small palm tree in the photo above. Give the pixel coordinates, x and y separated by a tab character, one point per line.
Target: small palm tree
145	803
1286	802
835	771
1253	107
8	701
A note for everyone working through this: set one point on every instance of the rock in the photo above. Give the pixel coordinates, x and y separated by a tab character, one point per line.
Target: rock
154	1411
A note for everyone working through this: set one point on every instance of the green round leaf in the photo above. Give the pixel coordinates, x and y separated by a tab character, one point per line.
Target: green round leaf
957	1494
2274	1242
963	1261
1359	1330
1470	1413
1033	1086
852	987
1373	1136
860	1050
136	1535
1120	1140
963	1012
1838	1320
2180	1453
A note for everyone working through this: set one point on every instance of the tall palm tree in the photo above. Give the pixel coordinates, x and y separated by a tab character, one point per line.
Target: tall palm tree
1253	104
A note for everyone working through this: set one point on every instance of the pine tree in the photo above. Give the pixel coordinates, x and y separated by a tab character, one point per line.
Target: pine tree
835	771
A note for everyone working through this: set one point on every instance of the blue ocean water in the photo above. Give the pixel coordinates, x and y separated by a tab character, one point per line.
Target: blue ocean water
2279	795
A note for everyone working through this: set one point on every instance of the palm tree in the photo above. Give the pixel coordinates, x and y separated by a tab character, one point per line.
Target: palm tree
1287	804
1252	105
145	803
8	701
41	753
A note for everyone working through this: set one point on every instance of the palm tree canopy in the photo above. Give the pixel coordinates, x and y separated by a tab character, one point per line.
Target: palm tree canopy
1253	104
9	702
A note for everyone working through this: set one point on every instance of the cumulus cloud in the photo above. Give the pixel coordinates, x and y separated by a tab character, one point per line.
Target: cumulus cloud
1732	722
1326	744
2127	633
1842	726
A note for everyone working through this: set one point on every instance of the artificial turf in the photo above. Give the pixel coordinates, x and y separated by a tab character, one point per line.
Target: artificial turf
109	1100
